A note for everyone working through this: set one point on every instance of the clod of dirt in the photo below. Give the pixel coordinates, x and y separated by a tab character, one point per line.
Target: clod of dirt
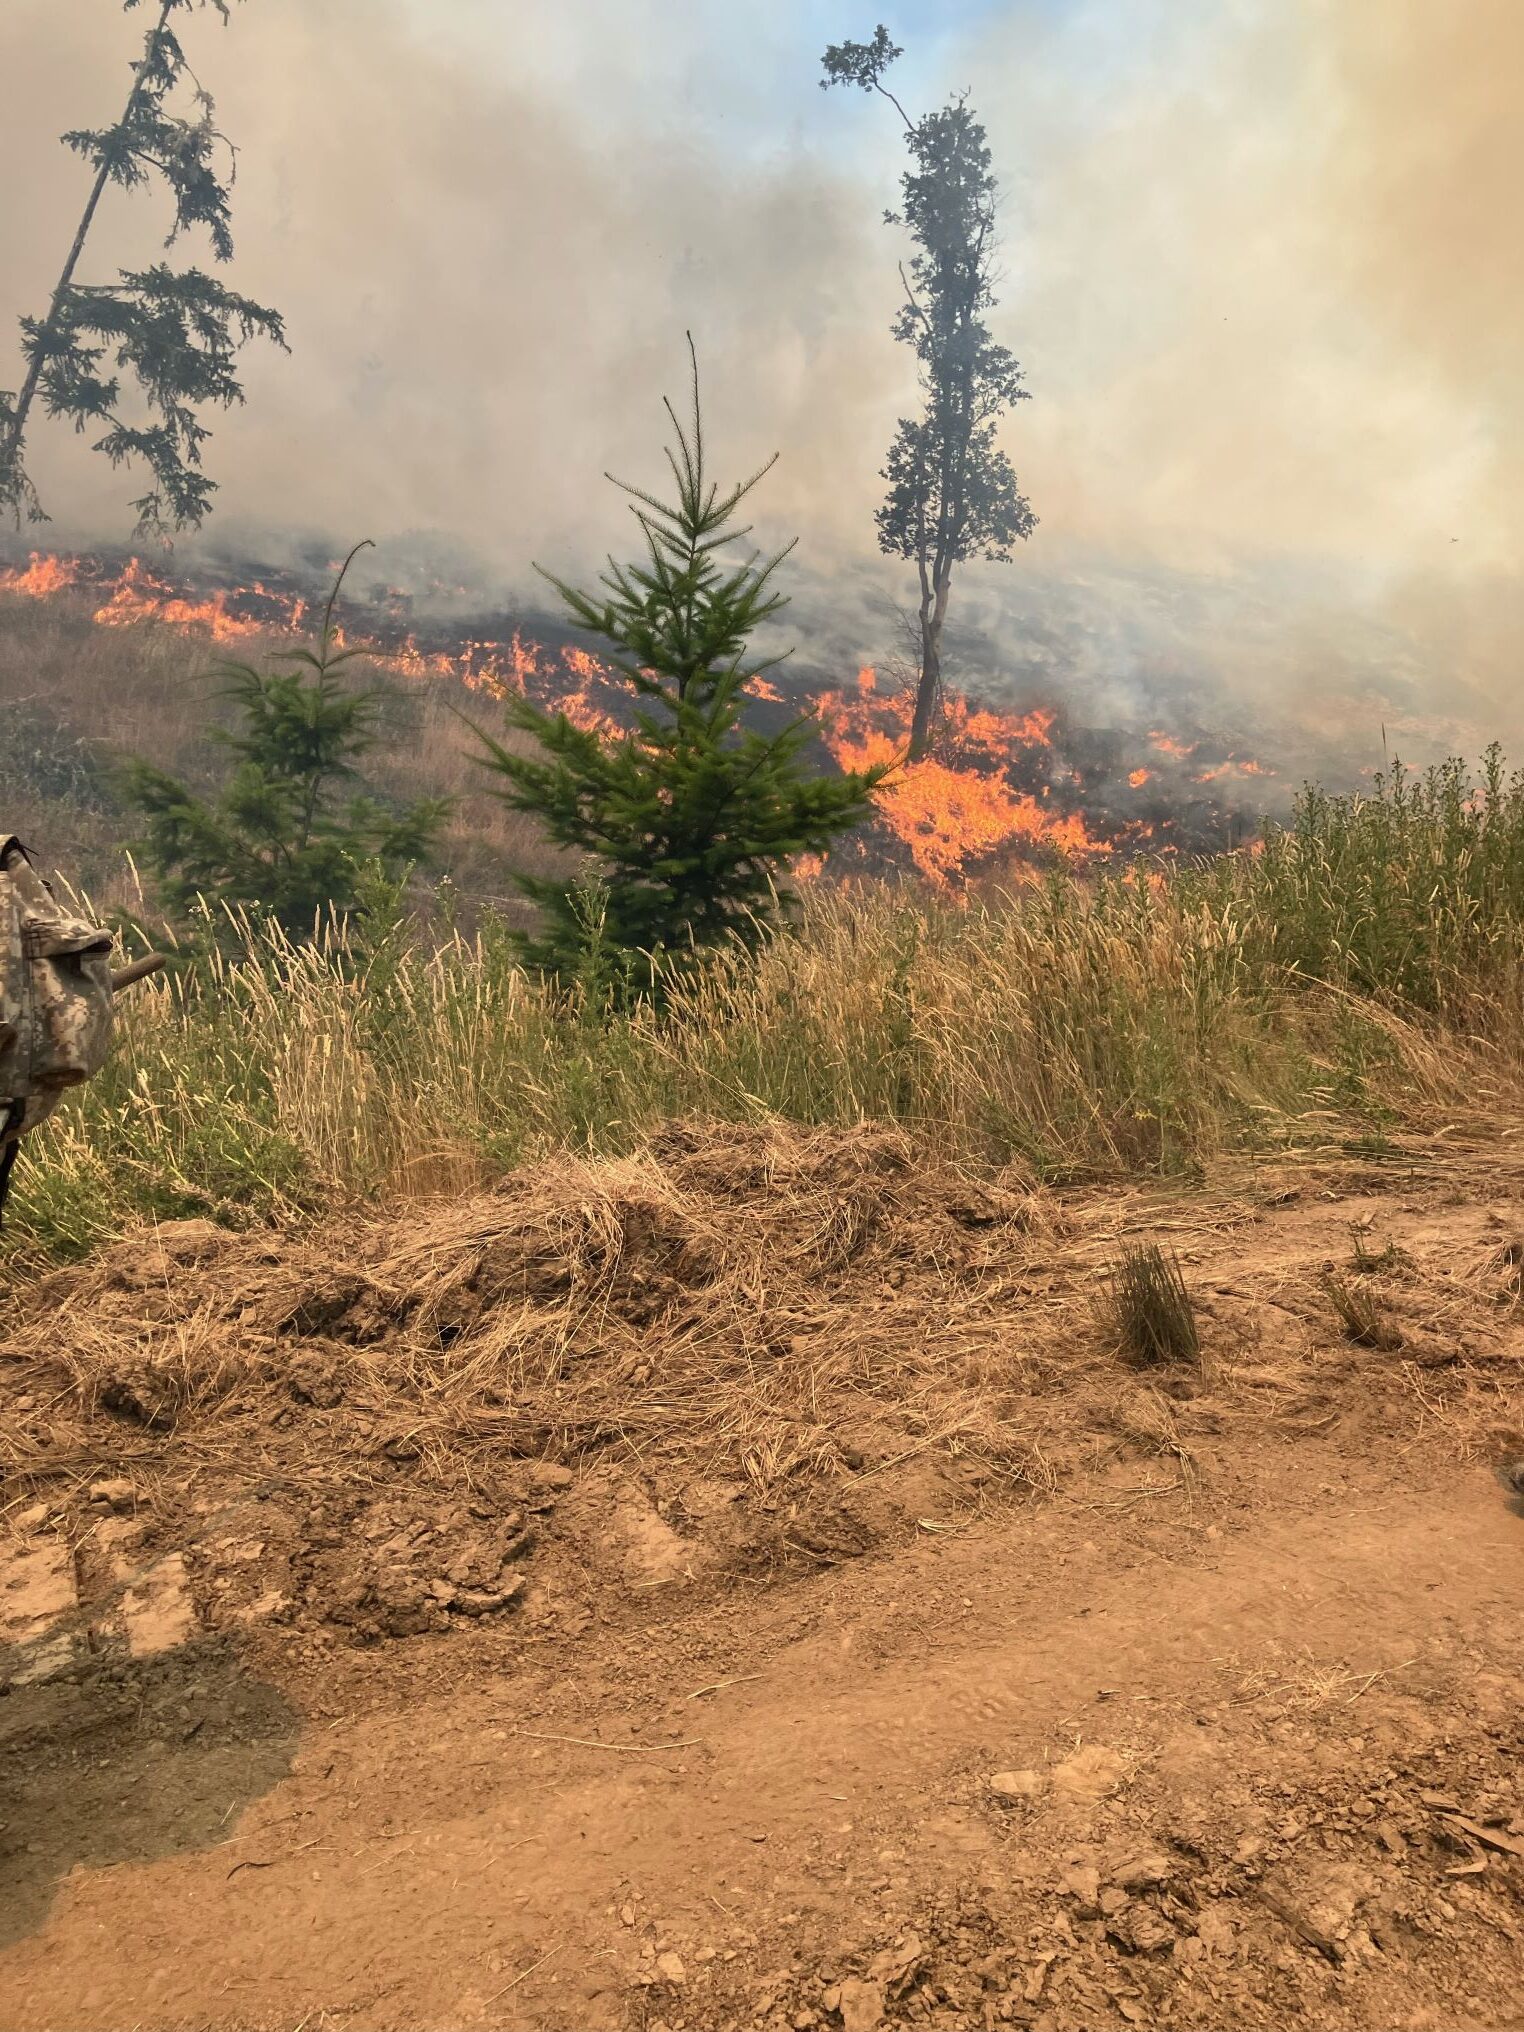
1141	1930
145	1395
1143	1873
116	1493
143	1262
1081	1881
1015	1786
647	1546
861	2005
549	1478
1089	1773
159	1613
317	1381
409	1575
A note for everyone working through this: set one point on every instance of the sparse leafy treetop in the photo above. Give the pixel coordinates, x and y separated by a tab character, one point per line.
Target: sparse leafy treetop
952	491
171	336
862	64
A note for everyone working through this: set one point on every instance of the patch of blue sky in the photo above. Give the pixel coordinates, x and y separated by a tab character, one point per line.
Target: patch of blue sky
707	74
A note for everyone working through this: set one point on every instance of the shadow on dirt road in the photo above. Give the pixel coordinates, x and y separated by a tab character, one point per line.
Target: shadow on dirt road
127	1763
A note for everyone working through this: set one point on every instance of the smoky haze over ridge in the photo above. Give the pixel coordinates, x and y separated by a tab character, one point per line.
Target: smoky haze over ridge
1259	269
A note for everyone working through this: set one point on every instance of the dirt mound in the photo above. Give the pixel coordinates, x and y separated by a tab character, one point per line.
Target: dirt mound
745	1350
735	1313
1180	1697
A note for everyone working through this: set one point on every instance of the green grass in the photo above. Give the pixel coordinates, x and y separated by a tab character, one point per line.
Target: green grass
1146	1314
1360	973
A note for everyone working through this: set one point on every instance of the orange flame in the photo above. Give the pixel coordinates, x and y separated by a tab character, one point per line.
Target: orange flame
946	813
1166	745
996	781
1234	767
139	596
43	577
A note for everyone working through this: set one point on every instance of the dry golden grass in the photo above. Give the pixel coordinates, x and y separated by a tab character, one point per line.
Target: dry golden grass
1082	1033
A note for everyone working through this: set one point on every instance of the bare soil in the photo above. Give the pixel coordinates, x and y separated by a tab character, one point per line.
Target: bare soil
745	1589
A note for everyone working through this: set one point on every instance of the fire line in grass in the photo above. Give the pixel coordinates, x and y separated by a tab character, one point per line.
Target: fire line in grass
1001	790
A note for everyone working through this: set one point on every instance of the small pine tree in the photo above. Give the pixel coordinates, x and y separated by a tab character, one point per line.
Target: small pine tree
690	821
277	840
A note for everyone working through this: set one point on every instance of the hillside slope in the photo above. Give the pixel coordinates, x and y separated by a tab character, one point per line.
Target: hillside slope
74	697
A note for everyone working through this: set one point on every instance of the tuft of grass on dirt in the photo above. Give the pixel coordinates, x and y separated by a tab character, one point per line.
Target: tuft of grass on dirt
1368	1262
1146	1312
1360	1312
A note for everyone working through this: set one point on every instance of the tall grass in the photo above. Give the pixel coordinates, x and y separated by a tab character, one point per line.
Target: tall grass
1413	893
1363	969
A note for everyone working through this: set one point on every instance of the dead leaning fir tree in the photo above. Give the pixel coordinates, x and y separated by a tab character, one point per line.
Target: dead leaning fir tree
173	334
952	490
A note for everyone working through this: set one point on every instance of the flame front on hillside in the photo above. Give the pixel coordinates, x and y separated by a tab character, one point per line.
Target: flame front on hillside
961	805
999	788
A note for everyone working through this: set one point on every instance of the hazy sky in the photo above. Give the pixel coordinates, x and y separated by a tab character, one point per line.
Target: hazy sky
1260	265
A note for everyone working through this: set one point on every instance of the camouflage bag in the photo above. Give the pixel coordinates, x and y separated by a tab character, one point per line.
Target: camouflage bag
55	1001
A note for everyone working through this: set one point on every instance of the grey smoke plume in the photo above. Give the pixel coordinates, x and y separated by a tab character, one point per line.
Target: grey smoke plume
1261	271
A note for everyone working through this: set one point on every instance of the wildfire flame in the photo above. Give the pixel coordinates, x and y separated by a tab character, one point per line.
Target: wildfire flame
570	679
960	805
43	577
996	785
139	596
1166	745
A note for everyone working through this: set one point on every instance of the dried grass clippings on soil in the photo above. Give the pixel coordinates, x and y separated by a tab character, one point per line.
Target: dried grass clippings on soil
748	1302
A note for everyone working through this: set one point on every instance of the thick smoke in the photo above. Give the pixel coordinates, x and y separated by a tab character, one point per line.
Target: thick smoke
1260	268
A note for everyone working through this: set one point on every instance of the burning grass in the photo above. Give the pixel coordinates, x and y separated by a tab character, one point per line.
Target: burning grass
1362	972
78	692
1011	789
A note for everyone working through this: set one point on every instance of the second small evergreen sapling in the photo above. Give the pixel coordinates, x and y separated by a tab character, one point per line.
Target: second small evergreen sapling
281	839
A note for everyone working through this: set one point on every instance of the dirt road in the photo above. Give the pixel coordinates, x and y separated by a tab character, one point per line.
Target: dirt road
1224	1730
1241	1755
